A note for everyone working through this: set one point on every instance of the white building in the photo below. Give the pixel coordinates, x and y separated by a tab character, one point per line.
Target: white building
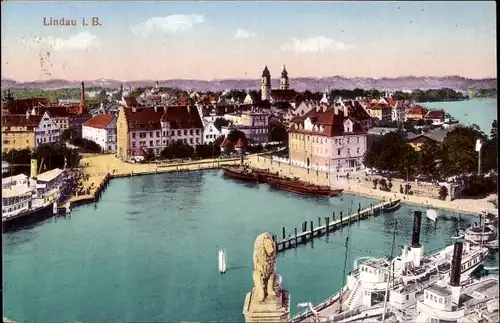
210	132
102	130
47	130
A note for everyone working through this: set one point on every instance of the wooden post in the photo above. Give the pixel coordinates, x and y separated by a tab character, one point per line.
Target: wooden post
327	224
359	214
359	205
295	237
341	219
284	235
333	216
319	221
312	230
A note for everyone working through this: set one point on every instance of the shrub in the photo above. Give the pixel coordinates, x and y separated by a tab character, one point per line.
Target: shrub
443	192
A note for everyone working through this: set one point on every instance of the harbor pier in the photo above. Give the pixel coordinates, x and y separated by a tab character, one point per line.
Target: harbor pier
308	234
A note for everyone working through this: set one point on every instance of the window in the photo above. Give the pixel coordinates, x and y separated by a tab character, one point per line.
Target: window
157	134
164	133
185	132
357	138
173	133
338	152
348	140
133	144
178	132
191	132
190	140
357	150
151	134
157	142
198	131
151	142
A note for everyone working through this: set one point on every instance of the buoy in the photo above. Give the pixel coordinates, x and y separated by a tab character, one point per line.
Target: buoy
222	261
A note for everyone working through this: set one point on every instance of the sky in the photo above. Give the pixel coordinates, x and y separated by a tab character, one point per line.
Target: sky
228	40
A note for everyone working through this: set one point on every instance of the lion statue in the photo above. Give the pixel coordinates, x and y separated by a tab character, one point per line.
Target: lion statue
264	266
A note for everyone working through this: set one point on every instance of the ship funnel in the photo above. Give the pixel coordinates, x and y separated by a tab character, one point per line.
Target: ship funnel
415	238
456	264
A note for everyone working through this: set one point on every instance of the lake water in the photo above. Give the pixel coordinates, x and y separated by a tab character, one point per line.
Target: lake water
475	111
149	251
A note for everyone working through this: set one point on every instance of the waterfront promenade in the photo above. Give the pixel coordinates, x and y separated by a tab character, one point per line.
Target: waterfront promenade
359	186
97	168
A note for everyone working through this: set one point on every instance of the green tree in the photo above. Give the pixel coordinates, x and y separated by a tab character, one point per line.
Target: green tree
459	154
407	162
430	154
66	134
177	149
220	122
278	132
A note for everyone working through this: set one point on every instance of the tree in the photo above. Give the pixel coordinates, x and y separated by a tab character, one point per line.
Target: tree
221	122
177	149
102	97
459	154
150	155
407	162
66	134
430	153
87	145
443	192
278	132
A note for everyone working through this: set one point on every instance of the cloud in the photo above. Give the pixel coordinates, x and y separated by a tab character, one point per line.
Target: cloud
170	24
79	41
242	33
315	44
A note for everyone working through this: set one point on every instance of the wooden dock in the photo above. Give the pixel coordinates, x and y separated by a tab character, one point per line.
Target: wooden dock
292	241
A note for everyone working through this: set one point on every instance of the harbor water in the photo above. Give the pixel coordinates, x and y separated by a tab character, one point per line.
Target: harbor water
474	111
148	250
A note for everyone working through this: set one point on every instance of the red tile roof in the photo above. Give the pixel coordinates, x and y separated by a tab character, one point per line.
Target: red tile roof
100	121
333	123
180	117
356	111
239	144
283	95
131	102
20	120
435	114
20	106
225	143
416	110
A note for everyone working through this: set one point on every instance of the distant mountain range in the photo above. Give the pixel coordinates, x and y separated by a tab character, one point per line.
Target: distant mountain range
457	83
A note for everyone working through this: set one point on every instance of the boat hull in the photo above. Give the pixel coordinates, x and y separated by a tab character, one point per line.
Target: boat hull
262	176
27	218
303	189
241	176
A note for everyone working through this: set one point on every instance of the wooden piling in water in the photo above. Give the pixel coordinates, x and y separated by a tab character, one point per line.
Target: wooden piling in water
295	237
327	225
341	220
284	235
333	216
312	230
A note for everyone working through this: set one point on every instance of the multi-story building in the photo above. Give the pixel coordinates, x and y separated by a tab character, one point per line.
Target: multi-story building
415	113
255	125
102	130
26	131
47	131
210	132
379	109
155	128
328	140
435	116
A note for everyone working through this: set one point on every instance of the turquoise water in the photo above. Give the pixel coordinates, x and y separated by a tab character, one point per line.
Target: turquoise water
476	111
149	251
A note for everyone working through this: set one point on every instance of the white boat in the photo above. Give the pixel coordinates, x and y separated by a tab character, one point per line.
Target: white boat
23	196
222	261
373	278
432	215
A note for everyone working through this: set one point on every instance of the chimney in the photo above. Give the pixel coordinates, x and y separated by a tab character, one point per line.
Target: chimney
415	238
456	271
134	109
156	108
82	95
346	111
335	109
27	114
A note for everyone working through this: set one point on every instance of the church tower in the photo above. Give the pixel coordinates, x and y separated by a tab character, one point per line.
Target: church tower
284	85
265	85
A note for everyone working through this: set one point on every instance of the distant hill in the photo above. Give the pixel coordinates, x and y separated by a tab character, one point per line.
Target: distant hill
301	83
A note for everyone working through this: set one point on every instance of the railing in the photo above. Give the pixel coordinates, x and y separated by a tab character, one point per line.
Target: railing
327	302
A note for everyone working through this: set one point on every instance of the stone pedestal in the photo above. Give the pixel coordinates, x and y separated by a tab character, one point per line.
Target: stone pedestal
272	309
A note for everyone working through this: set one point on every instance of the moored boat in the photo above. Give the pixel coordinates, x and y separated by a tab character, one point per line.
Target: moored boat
303	188
239	173
263	175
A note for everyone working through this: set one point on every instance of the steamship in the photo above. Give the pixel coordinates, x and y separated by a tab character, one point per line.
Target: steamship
373	279
26	199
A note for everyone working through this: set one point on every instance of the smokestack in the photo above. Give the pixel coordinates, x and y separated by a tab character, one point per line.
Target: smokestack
415	238
456	264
